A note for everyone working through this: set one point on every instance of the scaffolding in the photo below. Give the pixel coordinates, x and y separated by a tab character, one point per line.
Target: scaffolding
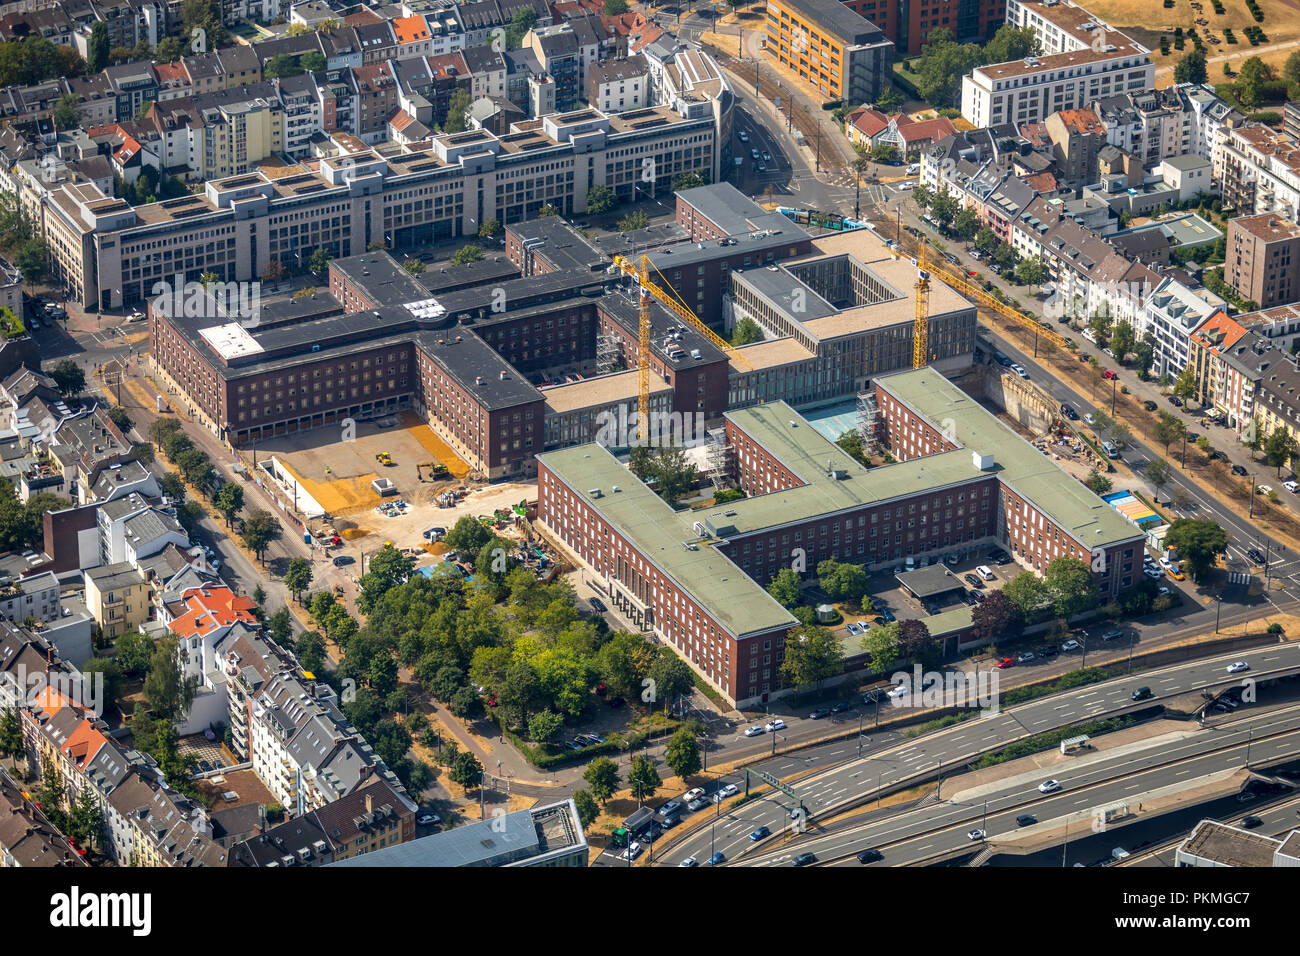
609	354
868	419
718	460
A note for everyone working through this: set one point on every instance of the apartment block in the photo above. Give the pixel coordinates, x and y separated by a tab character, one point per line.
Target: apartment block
842	55
1263	262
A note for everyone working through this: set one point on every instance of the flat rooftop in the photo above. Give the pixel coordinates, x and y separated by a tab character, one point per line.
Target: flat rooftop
600	390
1229	845
930	581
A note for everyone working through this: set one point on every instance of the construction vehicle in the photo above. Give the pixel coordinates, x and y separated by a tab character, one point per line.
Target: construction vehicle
384	459
640	271
437	471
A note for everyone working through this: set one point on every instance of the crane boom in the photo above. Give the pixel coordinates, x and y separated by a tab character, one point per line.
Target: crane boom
639	270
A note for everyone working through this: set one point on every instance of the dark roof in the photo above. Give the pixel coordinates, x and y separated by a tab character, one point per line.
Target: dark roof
838	20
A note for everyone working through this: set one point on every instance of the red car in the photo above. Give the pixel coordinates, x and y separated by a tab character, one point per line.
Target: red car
1005	663
1109	374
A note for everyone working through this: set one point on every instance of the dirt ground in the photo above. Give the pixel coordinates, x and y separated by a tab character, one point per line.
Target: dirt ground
338	473
1147	20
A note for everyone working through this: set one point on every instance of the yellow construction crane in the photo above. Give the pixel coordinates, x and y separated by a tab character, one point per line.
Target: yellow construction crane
639	269
963	285
921	329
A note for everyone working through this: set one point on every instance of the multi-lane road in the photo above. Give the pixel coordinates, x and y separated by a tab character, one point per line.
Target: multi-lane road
888	762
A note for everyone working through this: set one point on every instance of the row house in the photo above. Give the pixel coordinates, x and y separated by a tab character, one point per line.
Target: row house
1171	313
1228	362
202	618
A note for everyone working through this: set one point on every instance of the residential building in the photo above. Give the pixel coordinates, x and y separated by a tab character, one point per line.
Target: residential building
117	597
1082	60
1171	313
1263	259
619	85
839	53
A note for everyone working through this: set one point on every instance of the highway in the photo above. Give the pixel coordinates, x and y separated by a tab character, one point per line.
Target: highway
888	762
1086	786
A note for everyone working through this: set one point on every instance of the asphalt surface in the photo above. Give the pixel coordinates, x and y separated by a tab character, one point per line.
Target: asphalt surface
889	761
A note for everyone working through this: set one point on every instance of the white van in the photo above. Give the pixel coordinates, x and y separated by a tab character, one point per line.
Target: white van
1088	336
1110	450
913	169
985	572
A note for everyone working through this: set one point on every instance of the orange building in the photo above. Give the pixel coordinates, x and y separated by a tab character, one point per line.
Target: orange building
839	53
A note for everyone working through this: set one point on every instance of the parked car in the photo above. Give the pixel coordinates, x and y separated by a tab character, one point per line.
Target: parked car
1175	401
774	725
1250	823
1149	405
819	713
1113	634
428	819
985	572
1239	471
973	579
696	805
753	731
597	605
343	559
1108	374
1071	645
1048	651
728	790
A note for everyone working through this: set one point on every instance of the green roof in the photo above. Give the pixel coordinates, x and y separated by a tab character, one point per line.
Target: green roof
946	622
659	533
835	483
1031	474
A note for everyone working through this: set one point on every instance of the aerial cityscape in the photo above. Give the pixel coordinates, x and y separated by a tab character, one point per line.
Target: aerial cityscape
591	433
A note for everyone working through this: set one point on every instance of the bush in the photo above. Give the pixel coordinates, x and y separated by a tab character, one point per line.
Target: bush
1275	628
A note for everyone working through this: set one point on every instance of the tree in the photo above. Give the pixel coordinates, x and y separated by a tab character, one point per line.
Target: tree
387	569
134	654
297	576
281	66
112	675
229	501
966	223
280	626
1252	79
997	618
812	654
1191	68
1168	430
745	332
1158	473
458	105
643	779
945	206
602	777
942	64
169	50
467	771
842	581
1199	542
545	726
86	821
600	199
66	115
1069	581
70	377
923	195
587	808
97	48
1145	349
313	61
1011	43
1031	271
520	24
914	639
615	8
491	227
682	754
1122	340
689	180
881	644
1291	69
1185	384
987	241
466	255
168	689
1279	448
1097	482
785	587
1028	593
1005	256
634	220
467	535
11	736
257	530
672	678
547	210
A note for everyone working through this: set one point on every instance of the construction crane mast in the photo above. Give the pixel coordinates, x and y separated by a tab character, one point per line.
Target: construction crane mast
921	329
639	269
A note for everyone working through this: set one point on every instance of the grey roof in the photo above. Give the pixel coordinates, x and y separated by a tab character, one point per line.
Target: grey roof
109	577
838	20
149	526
